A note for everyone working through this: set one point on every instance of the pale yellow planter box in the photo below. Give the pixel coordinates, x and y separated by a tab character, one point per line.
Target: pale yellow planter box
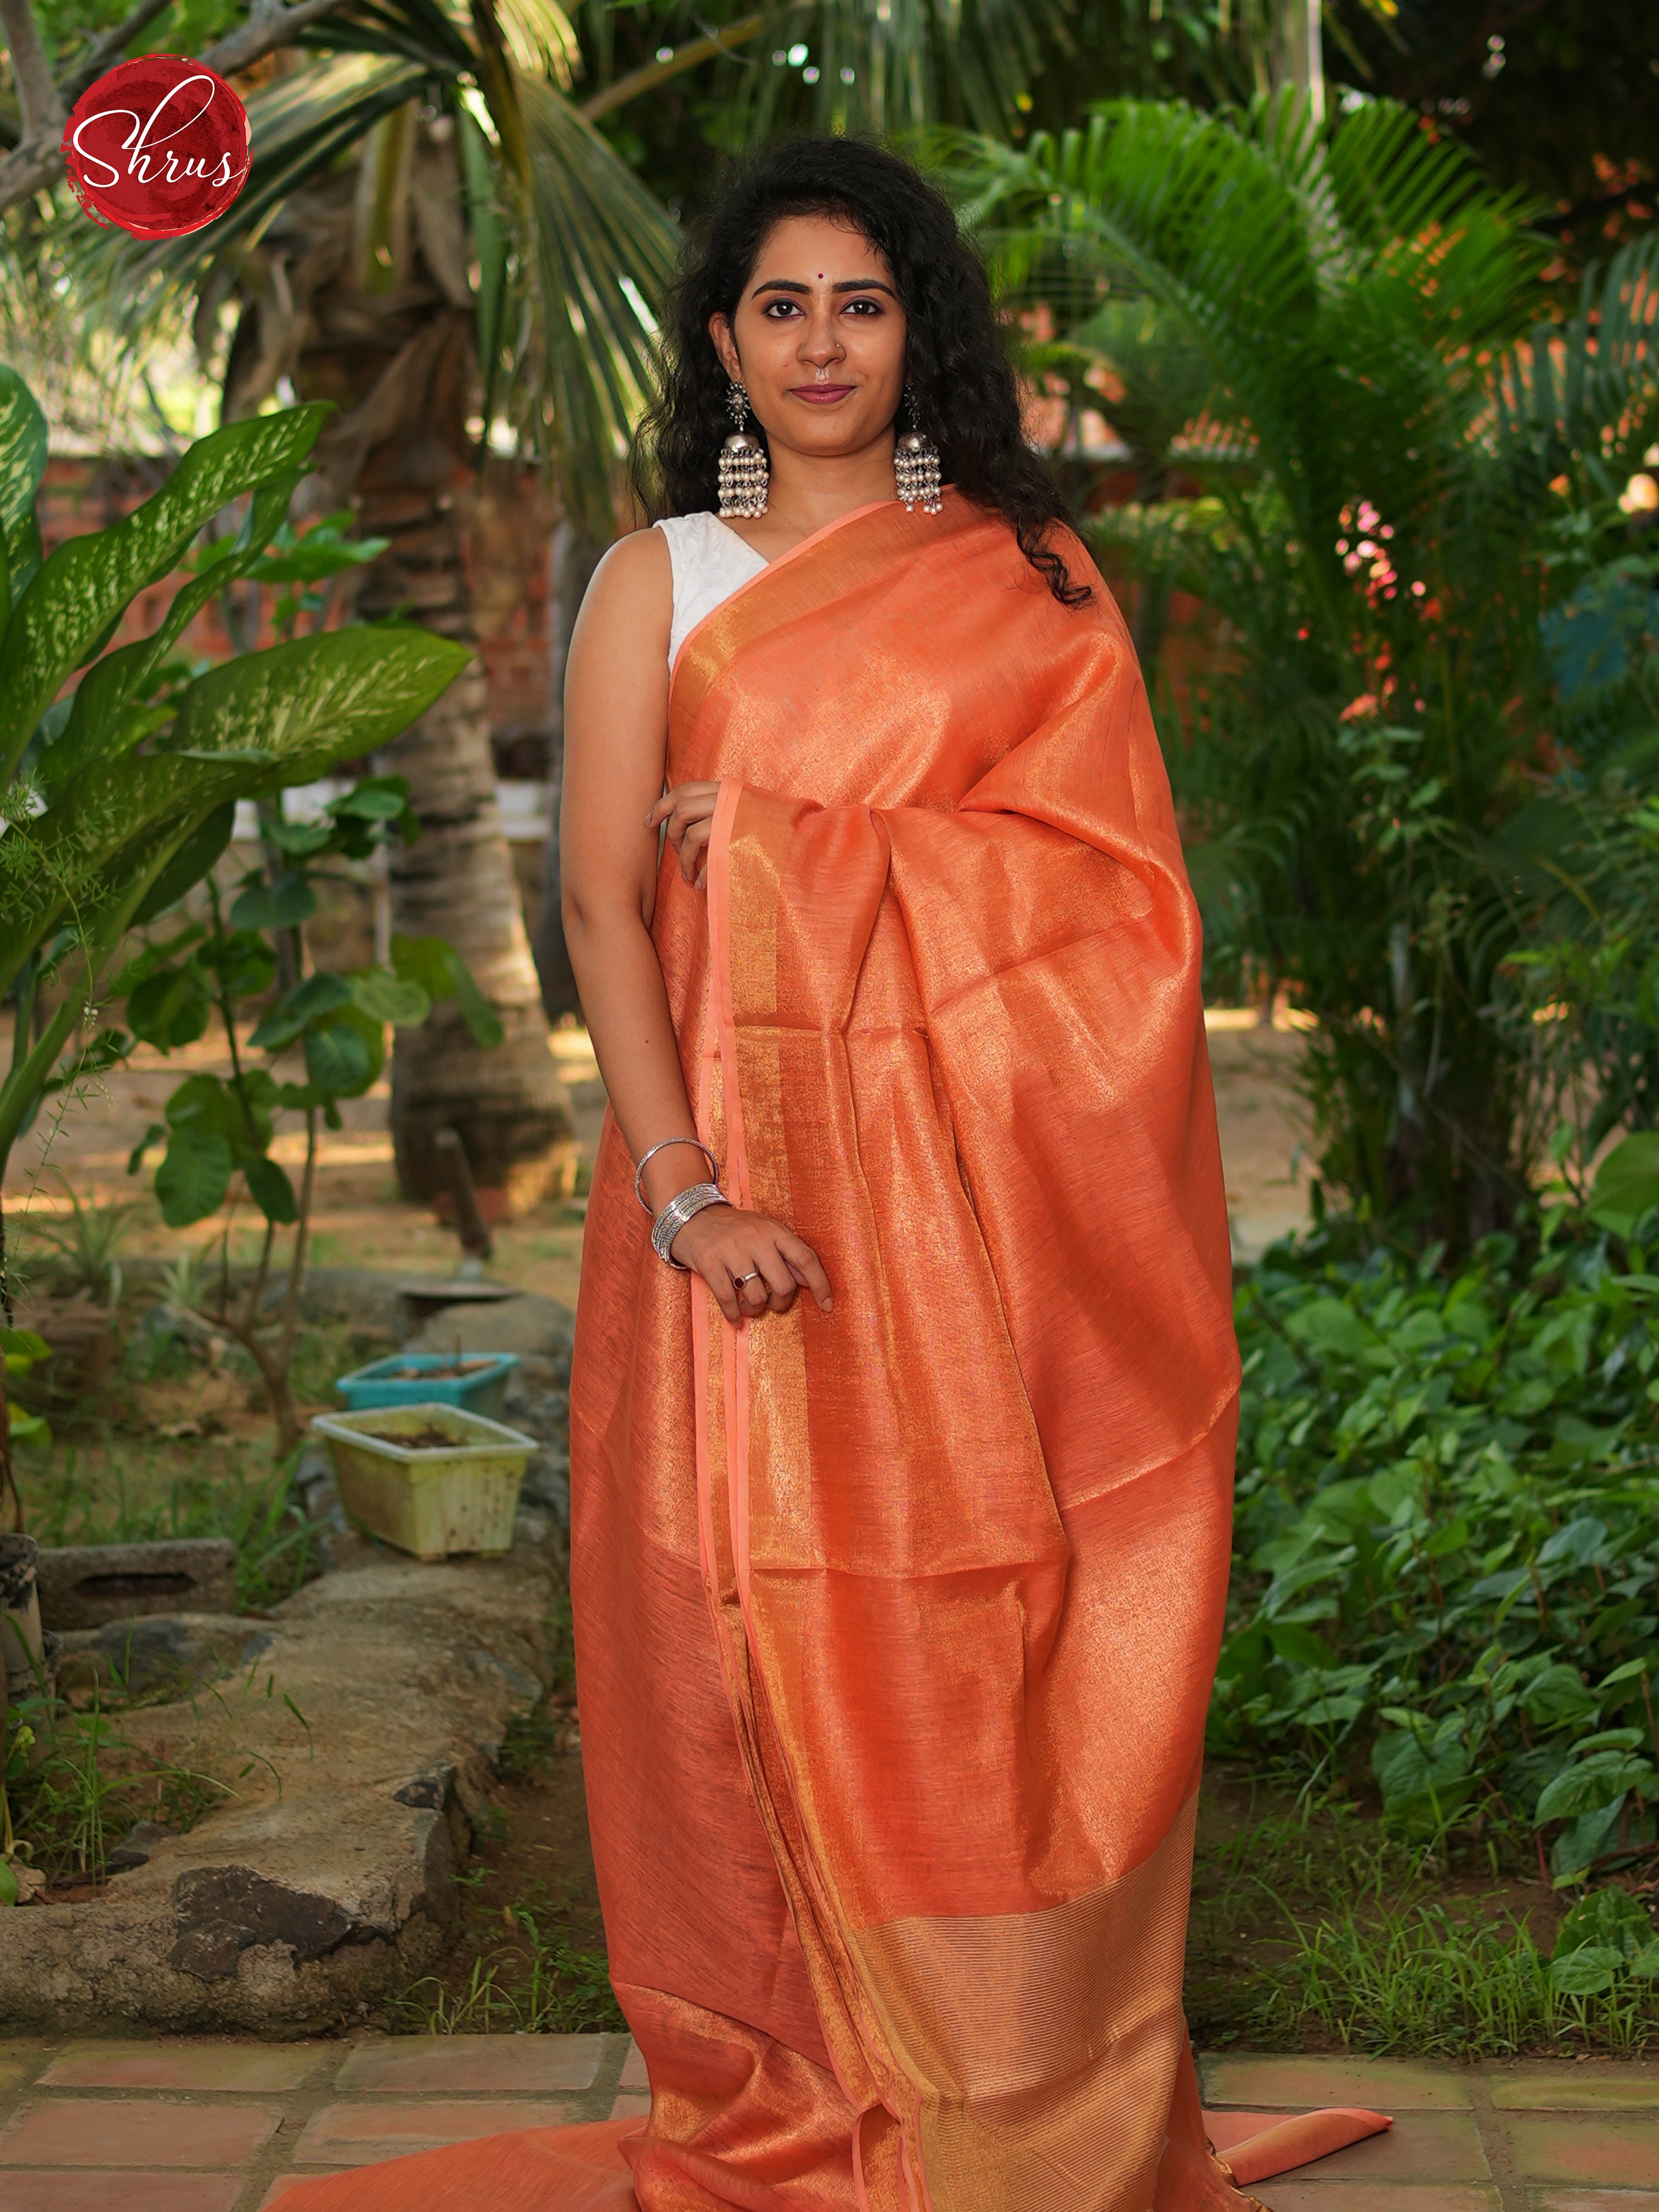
430	1500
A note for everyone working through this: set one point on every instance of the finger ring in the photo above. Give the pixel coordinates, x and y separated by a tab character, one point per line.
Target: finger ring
753	1276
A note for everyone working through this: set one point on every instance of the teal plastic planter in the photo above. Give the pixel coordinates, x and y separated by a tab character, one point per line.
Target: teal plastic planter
430	1378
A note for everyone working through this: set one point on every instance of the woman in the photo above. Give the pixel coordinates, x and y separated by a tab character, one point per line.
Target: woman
901	1491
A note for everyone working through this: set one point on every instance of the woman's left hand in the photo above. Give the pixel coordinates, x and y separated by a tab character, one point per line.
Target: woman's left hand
689	810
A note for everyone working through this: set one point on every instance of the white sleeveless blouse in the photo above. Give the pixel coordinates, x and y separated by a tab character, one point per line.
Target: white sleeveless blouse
709	562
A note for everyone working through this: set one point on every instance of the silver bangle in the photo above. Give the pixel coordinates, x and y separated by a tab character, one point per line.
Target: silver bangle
678	1211
639	1188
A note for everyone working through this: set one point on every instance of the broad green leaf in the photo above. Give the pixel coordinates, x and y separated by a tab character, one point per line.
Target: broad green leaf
102	720
282	905
273	1192
24	1344
1585	1972
22	463
1582	1541
194	1177
338	1059
88	583
1589	1786
375	799
1627	1183
202	1102
196	857
1560	1695
1328	1325
312	702
169	1008
1411	1774
387	998
1585	1840
308	1000
1608	1916
435	964
8	1884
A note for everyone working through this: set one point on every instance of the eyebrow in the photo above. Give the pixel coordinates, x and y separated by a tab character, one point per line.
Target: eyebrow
848	284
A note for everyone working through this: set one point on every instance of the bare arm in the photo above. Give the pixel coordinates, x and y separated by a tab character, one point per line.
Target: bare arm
616	744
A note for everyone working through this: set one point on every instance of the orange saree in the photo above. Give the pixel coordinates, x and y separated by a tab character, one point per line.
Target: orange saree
896	1627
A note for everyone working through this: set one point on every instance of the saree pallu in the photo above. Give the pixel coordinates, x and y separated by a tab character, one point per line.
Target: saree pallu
896	1627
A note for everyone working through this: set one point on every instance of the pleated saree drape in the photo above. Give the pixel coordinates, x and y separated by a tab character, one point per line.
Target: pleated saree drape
895	1628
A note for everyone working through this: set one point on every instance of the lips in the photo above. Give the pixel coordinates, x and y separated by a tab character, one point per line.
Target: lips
819	392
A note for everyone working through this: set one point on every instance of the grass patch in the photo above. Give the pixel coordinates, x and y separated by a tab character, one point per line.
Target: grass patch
1315	1925
530	1982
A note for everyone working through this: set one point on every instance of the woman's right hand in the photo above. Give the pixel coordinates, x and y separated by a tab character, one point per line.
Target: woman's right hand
753	1265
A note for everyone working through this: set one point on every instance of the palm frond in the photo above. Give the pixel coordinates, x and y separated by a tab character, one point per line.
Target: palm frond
599	249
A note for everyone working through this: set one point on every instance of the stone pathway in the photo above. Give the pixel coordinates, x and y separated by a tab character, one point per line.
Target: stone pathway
177	2125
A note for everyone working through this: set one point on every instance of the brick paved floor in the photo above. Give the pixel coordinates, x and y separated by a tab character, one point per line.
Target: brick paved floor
192	2125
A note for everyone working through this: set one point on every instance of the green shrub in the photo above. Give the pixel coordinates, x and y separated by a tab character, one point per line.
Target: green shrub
1447	1537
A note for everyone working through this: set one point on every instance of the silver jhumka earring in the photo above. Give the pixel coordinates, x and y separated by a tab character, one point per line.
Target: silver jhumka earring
916	463
745	472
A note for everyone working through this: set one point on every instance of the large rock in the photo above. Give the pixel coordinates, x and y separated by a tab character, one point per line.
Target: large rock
357	1744
87	1585
534	1326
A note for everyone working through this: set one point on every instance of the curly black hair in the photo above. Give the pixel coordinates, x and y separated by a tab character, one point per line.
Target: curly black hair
955	357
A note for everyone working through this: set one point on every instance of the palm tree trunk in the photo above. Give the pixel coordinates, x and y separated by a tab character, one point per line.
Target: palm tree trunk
1297	58
457	881
382	325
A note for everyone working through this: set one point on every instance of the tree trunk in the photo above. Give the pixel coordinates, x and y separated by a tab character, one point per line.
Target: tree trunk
1297	58
393	348
507	1105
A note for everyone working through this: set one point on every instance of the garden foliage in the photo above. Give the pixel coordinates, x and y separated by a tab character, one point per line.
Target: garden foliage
1403	472
1447	1538
118	796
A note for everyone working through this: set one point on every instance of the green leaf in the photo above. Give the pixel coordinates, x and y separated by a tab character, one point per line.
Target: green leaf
375	799
1586	1972
1583	1841
1608	1918
1328	1325
8	1884
169	1008
1413	1774
22	463
339	1057
194	1178
196	858
387	998
153	1135
1560	1696
1589	1786
1627	1183
24	1344
271	1191
435	964
201	1102
88	583
314	701
309	999
282	905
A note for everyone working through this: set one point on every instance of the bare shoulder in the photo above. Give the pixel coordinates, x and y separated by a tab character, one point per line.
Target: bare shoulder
631	596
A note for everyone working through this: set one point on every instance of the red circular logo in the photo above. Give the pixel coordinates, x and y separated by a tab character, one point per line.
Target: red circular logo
159	146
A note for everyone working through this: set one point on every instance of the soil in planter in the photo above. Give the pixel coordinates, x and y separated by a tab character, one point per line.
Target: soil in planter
410	1373
426	1439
